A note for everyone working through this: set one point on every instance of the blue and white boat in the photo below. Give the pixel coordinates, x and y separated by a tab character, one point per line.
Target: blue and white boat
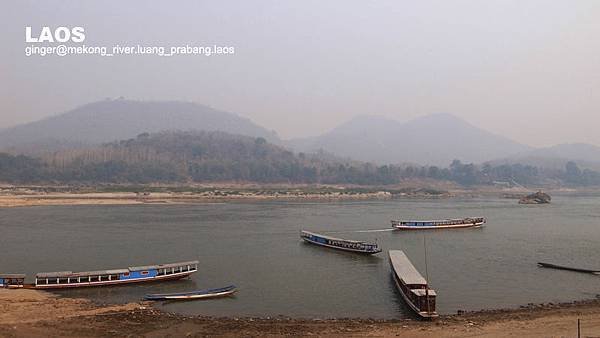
468	222
198	294
340	244
139	274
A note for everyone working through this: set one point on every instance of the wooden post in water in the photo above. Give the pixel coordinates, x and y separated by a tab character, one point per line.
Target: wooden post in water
578	329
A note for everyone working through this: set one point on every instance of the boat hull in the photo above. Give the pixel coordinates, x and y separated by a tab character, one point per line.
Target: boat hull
205	294
364	252
413	307
174	276
562	267
214	295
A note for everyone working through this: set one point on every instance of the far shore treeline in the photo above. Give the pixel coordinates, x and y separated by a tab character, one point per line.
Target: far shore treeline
171	157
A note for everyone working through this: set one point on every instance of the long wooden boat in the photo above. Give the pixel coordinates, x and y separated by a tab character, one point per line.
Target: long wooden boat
139	274
438	224
412	286
562	267
198	294
340	244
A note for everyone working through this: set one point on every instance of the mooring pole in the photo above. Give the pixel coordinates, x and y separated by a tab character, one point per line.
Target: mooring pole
578	329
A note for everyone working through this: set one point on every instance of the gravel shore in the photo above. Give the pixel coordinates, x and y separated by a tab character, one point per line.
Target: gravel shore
33	313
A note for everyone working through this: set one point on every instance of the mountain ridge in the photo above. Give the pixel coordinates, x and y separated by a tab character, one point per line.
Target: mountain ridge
108	120
425	140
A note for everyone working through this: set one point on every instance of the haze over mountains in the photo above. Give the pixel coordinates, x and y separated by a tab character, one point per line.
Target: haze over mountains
110	120
555	157
431	140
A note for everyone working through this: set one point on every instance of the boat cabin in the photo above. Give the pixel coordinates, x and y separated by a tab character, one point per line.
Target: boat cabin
12	280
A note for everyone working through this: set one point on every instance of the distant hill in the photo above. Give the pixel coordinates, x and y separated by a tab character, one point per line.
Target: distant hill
431	140
556	157
569	151
110	120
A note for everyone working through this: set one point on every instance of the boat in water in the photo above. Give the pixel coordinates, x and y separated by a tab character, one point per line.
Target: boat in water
139	274
412	286
562	267
198	294
439	224
340	244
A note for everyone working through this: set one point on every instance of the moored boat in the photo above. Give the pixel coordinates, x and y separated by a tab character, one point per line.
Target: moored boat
198	294
340	244
412	286
12	280
140	274
438	224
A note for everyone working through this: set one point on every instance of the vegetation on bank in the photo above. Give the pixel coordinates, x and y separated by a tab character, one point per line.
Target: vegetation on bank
192	191
183	157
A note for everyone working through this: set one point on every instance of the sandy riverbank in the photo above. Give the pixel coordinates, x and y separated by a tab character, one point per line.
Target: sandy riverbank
40	197
32	313
168	198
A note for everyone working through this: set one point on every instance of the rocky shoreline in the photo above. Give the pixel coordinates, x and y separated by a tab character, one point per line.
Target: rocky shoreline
34	313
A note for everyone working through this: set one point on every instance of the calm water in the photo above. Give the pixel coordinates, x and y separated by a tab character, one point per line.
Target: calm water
256	246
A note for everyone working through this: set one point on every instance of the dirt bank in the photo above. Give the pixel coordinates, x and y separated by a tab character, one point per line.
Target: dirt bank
32	313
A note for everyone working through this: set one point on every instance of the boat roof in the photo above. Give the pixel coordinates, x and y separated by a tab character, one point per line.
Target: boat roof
421	292
404	268
79	274
336	239
111	272
12	275
162	266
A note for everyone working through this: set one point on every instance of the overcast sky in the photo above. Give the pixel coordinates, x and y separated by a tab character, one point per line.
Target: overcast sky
529	70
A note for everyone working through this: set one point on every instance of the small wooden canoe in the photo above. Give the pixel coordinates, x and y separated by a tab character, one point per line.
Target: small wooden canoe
198	294
562	267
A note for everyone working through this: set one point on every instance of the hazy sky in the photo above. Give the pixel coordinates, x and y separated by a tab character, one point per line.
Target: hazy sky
527	69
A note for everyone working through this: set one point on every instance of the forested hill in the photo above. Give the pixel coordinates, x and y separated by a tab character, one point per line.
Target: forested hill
199	156
179	156
183	157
